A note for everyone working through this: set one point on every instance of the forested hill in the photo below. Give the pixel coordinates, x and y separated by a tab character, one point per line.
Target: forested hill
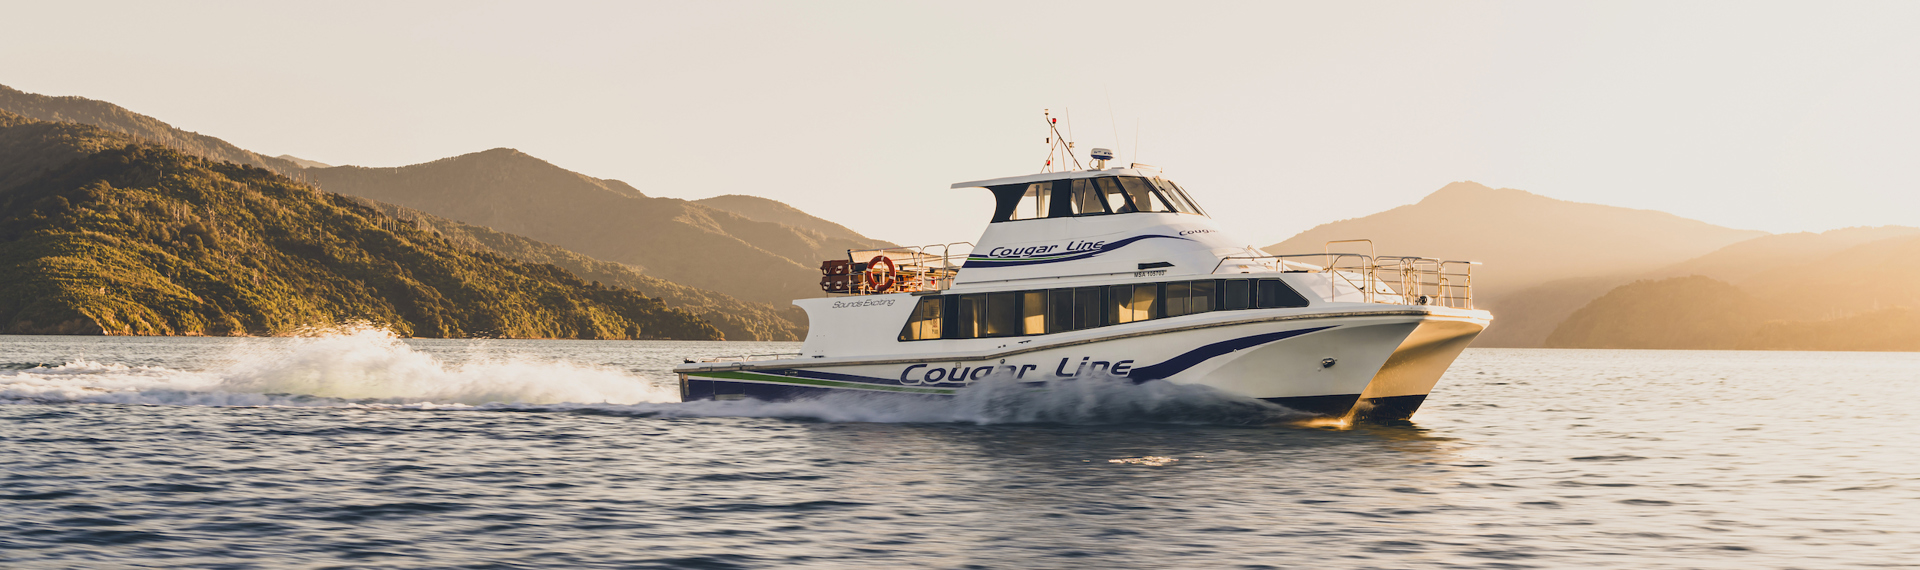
103	235
738	319
141	127
677	240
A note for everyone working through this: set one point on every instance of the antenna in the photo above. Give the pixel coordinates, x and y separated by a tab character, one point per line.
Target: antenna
1057	143
1136	139
1110	119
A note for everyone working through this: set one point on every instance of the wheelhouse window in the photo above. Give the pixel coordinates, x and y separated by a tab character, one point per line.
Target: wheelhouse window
1181	201
1037	202
1088	200
1100	195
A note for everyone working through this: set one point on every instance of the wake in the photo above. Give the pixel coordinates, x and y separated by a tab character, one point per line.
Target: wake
371	368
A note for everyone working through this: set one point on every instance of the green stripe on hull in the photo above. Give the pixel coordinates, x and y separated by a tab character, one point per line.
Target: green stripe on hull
815	382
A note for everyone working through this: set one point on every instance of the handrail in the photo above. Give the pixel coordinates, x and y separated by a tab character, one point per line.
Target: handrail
1419	280
919	268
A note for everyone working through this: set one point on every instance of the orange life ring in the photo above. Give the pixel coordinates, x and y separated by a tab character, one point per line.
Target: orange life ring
875	282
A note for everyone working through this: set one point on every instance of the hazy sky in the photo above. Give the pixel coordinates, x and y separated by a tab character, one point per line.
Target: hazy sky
1278	116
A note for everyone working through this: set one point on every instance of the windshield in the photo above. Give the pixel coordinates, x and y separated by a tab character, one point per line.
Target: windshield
1096	196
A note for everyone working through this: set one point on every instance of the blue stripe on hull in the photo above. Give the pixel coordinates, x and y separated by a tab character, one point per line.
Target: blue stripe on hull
699	389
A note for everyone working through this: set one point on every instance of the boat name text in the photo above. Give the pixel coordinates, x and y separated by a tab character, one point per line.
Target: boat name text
921	374
863	303
1034	250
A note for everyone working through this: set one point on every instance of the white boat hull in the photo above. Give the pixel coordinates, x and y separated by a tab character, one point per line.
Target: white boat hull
1372	362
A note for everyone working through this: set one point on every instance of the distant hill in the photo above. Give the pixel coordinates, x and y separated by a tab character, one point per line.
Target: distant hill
739	320
1790	293
303	163
100	234
1528	316
1695	312
118	119
677	240
1525	239
767	210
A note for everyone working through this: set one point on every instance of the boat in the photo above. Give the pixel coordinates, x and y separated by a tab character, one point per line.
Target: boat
1118	272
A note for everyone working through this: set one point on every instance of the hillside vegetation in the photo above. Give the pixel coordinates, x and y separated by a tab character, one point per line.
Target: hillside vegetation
739	320
103	235
743	320
676	240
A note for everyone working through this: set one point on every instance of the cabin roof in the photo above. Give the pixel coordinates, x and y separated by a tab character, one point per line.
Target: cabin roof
1066	175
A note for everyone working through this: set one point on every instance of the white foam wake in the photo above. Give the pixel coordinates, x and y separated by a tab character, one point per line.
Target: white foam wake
354	367
1005	401
366	367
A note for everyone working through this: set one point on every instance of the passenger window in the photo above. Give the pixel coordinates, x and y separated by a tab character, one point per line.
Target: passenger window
1190	297
1060	310
1086	308
1033	312
1200	299
1003	317
1275	294
924	323
1236	294
972	316
1177	299
1132	303
1036	203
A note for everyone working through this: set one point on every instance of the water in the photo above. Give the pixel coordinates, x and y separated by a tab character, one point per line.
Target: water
360	451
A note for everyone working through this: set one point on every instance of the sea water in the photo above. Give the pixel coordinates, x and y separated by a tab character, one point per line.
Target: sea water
358	450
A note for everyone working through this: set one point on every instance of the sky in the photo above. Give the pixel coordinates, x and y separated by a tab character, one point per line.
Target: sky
1277	116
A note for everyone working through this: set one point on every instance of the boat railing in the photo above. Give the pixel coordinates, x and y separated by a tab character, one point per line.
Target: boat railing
1390	279
907	269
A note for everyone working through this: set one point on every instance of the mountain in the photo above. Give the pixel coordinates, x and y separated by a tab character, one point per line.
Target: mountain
1694	312
118	119
103	234
1791	292
303	163
737	319
1528	316
767	210
676	240
1523	238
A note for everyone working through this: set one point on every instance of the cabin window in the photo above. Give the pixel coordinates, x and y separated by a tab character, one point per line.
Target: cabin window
1074	309
1189	297
1060	310
1044	311
1275	294
1037	202
1132	303
924	323
986	315
1033	312
1236	294
1003	316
